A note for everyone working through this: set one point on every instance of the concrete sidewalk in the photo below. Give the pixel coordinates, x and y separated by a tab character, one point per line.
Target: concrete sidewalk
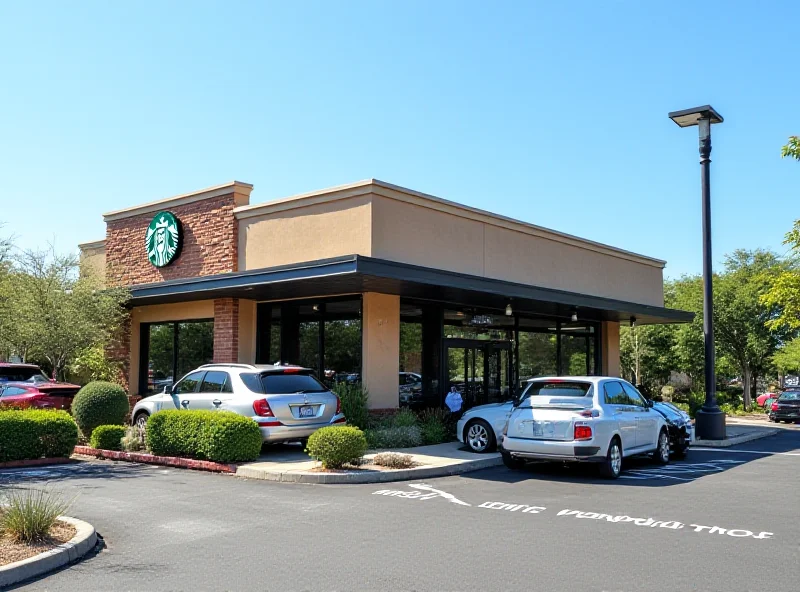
294	466
739	433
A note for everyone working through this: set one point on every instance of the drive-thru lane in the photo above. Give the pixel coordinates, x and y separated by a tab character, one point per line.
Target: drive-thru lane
710	522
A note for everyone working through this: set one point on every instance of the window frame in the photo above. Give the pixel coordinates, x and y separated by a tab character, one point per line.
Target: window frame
196	388
636	398
606	396
225	383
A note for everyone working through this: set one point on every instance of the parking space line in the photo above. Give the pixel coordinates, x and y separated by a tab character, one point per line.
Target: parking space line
728	450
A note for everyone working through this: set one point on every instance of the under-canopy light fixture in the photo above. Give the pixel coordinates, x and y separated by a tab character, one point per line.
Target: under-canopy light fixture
633	321
574	316
509	310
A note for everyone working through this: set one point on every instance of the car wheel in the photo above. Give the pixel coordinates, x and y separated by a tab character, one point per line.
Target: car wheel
479	436
515	464
140	422
661	453
612	466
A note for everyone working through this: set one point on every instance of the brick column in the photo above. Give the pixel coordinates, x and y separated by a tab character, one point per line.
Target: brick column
226	330
119	351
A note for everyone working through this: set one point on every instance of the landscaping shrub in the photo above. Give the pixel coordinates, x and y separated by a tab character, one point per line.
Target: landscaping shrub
393	460
221	436
435	426
355	407
36	433
99	403
336	446
405	418
29	514
107	437
133	440
408	437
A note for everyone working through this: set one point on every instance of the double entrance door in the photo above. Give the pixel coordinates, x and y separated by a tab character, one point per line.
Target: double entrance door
479	370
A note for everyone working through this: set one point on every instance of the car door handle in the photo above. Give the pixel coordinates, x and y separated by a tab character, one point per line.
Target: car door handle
216	402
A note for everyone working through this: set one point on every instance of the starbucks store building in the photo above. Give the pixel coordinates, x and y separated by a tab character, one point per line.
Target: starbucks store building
404	292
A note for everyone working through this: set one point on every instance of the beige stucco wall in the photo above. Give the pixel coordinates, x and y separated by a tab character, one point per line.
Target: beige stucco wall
183	311
419	235
610	349
247	331
380	349
93	260
314	231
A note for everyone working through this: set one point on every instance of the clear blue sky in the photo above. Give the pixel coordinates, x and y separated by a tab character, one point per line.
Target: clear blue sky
551	112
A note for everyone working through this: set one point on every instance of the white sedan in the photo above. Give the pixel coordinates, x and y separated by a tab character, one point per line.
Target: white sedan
481	427
583	419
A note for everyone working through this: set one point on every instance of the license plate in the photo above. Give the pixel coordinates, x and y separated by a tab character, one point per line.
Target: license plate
543	429
306	411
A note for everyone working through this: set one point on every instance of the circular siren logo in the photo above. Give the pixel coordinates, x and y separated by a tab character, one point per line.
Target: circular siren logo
163	239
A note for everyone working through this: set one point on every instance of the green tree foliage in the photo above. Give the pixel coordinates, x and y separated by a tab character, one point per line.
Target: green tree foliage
788	358
792	148
52	311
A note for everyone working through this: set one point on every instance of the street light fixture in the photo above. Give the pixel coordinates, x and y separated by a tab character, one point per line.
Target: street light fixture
709	420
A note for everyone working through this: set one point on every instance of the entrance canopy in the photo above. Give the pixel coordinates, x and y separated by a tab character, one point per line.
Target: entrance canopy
353	274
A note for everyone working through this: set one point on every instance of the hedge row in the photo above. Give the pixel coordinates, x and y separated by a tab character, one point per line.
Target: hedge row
221	436
107	437
36	433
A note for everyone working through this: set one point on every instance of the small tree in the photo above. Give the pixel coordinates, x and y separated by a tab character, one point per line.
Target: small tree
59	311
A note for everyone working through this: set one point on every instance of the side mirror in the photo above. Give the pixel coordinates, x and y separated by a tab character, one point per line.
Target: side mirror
649	402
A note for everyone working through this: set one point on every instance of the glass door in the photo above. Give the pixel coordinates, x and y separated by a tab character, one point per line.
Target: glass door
480	371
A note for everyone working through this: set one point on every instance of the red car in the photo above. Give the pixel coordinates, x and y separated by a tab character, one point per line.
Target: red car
761	400
26	386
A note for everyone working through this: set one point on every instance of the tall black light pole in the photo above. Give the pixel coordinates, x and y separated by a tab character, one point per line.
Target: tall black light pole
709	420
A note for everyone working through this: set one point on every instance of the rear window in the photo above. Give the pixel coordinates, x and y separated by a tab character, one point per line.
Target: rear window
291	383
557	389
22	374
790	396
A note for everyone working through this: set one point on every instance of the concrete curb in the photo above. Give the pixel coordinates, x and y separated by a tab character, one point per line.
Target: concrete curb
166	461
36	462
84	541
371	476
756	435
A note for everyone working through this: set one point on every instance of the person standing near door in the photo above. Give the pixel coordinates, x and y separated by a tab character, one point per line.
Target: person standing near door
454	401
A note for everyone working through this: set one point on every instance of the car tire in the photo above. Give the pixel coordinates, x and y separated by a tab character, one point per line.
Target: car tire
661	453
515	464
612	466
140	421
479	436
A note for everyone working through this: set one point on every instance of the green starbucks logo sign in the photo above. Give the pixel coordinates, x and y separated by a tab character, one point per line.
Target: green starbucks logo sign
163	240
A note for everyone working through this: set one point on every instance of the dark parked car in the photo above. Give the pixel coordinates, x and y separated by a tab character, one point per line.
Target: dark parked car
681	430
26	386
786	407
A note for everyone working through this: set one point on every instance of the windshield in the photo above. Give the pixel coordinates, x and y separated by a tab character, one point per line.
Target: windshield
22	374
291	383
556	388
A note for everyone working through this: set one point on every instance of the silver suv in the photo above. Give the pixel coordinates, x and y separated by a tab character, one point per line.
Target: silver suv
583	418
287	402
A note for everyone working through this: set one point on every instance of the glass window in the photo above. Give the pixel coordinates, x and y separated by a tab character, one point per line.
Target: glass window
343	349
252	382
216	382
558	388
614	394
538	355
195	345
291	383
189	383
22	374
635	397
161	349
11	391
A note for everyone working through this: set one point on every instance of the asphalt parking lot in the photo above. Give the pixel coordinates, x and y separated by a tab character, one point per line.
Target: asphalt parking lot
711	522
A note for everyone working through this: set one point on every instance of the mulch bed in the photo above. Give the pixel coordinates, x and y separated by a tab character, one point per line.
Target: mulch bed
11	551
167	461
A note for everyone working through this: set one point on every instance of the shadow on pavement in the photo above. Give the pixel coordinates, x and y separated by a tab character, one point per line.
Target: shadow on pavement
80	470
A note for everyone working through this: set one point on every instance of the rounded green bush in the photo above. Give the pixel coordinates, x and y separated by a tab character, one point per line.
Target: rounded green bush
221	436
36	433
99	403
336	446
107	437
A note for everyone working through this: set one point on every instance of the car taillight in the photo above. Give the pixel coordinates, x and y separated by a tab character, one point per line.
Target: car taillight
338	405
775	406
583	432
261	408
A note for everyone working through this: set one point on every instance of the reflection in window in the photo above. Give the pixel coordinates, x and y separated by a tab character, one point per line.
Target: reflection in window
309	344
195	347
343	349
538	355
